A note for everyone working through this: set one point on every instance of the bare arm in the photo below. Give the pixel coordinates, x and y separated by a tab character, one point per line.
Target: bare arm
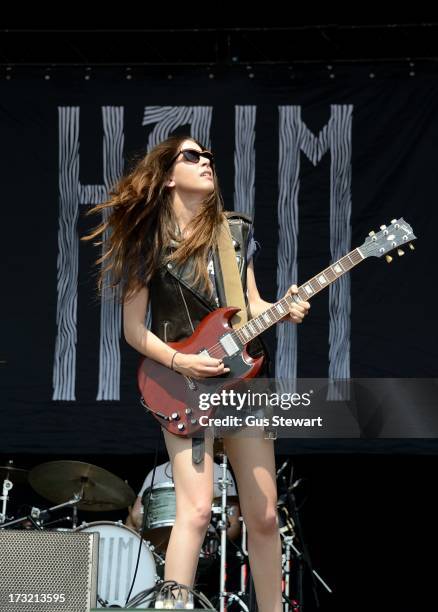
297	311
150	345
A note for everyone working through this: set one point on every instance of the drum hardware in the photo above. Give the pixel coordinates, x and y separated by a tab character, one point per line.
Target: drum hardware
7	486
158	556
61	519
38	516
10	473
224	595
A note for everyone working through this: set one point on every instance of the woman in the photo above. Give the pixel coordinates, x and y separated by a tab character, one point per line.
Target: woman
163	219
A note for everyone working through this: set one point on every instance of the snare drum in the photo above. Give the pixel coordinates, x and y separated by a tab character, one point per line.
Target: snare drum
118	550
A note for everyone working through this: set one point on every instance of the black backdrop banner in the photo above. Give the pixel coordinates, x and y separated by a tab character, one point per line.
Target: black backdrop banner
317	161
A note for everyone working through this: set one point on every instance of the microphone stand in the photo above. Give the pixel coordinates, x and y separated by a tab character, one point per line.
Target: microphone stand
303	556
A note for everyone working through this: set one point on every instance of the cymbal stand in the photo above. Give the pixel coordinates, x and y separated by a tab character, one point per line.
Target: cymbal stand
287	567
7	486
244	556
224	595
222	526
74	523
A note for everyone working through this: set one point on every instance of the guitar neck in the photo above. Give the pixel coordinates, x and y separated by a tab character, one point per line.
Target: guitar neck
307	290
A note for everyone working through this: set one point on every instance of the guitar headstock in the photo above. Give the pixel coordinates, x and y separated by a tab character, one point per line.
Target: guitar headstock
391	238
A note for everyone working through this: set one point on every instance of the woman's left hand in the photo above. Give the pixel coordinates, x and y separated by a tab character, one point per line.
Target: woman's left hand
297	310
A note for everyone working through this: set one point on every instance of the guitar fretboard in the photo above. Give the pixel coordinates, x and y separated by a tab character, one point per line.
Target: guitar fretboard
317	283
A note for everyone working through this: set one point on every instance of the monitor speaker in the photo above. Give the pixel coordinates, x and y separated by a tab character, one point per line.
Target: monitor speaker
48	571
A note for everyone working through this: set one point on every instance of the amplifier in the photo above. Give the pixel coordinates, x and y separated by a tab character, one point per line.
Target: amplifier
48	571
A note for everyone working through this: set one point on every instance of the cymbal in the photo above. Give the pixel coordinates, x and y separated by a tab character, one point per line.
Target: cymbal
12	473
58	481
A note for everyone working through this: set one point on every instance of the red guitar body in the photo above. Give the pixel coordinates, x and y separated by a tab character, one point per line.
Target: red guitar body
173	399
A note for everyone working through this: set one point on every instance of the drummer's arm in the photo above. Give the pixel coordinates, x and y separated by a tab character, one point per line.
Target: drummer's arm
233	530
135	516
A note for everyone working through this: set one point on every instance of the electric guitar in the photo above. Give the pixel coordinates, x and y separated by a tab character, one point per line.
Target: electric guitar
173	399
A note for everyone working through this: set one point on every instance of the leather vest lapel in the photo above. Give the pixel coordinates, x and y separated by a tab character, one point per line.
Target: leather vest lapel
184	274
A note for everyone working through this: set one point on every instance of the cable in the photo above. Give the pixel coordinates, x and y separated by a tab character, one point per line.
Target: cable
168	586
145	513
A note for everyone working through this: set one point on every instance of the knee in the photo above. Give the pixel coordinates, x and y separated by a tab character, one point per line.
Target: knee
199	516
264	523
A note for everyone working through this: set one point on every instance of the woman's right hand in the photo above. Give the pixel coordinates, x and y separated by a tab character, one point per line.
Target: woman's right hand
198	366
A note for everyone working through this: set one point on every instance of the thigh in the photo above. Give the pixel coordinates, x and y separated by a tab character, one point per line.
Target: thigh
193	482
253	463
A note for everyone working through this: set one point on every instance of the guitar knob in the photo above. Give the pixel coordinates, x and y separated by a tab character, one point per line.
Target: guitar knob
400	252
175	416
411	246
383	227
180	426
393	220
388	258
371	233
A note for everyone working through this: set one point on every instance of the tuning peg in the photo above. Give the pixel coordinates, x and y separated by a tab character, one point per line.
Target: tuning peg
411	246
371	233
388	258
400	252
393	220
382	227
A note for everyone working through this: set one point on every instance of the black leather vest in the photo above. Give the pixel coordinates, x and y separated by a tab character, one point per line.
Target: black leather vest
177	306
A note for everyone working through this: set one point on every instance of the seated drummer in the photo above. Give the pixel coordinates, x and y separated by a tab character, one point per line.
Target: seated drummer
163	474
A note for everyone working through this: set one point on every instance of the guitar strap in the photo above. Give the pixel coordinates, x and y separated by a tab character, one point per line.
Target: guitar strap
233	297
231	276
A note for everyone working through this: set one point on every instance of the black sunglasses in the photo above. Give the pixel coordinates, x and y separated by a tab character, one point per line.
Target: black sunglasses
193	156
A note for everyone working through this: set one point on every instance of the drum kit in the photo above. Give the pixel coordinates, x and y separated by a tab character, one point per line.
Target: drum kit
131	561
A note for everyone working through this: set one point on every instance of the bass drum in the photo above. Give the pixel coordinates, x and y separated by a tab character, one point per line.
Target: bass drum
118	550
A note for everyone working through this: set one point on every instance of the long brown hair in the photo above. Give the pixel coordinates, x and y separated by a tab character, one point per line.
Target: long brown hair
138	222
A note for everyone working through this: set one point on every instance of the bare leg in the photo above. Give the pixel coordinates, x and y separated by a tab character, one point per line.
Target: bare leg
253	462
194	494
